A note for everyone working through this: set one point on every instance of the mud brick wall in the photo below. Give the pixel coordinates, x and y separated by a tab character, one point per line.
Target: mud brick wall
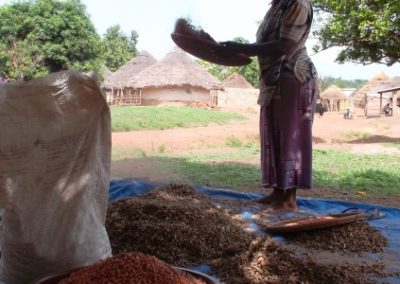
238	98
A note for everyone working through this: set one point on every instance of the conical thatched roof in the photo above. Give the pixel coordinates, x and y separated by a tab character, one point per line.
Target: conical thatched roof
175	69
333	92
373	83
235	80
389	84
126	72
107	76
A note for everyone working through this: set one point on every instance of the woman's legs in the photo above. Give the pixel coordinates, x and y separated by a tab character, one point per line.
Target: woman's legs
286	142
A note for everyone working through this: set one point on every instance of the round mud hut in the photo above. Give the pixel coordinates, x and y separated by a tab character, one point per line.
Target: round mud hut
335	99
360	96
238	93
115	85
175	79
384	96
236	80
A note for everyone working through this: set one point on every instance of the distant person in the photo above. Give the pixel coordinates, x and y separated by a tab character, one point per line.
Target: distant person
2	80
320	109
288	93
387	110
348	113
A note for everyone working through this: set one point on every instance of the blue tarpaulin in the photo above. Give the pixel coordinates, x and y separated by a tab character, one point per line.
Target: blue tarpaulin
389	225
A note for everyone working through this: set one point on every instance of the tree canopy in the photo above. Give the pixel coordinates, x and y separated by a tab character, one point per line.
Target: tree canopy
42	36
118	47
326	81
368	30
47	35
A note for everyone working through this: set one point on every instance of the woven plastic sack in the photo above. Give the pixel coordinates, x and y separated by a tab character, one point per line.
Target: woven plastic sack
55	149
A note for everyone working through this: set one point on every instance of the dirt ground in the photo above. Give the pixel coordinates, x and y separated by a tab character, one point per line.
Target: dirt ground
331	131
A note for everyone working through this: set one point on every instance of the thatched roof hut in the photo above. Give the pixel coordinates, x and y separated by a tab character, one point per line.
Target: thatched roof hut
107	76
384	93
387	85
359	97
333	92
236	80
126	72
335	98
176	69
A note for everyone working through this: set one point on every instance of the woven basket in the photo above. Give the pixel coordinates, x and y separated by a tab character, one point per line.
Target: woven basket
200	44
312	222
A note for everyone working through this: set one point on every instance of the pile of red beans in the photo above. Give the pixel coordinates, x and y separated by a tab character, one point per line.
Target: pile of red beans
131	268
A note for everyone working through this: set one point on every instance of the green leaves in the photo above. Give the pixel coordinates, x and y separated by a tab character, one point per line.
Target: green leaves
47	35
42	36
368	30
118	47
326	81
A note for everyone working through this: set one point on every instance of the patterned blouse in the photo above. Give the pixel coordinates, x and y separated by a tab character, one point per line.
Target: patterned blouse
291	20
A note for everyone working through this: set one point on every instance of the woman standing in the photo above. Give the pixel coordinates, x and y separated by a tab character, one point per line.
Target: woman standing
288	93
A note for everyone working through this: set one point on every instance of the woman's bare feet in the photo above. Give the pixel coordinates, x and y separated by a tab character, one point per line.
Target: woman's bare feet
275	195
286	200
287	203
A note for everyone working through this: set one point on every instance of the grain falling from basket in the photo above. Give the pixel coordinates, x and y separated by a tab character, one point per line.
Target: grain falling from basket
184	27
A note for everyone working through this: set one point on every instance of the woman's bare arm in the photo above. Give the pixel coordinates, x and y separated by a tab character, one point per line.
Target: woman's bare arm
273	49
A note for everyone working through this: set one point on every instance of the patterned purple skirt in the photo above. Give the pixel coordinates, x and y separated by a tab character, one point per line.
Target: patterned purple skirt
286	135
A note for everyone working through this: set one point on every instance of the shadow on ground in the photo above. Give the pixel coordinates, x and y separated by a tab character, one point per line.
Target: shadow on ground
375	139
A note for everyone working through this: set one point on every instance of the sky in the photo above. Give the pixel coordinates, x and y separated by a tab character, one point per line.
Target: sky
223	19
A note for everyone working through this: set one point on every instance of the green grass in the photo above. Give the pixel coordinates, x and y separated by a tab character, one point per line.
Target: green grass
130	118
377	176
235	142
215	168
120	153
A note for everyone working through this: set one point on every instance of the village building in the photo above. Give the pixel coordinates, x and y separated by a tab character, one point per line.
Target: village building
115	84
335	99
384	99
176	78
360	97
107	77
237	93
236	81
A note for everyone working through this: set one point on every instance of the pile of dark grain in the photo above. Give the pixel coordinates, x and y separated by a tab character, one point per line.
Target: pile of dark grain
266	262
182	227
357	237
176	224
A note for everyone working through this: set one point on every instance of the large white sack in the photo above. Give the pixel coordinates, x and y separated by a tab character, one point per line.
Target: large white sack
55	149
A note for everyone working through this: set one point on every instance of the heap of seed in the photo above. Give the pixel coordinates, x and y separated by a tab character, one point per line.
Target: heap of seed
175	224
356	237
131	268
266	262
181	226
